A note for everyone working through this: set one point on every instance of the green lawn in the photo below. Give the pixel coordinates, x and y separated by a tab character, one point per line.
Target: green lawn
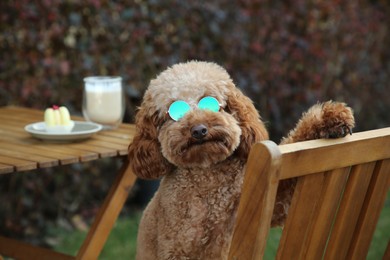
121	243
122	240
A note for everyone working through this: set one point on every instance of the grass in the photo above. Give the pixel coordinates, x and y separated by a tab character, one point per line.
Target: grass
121	243
122	240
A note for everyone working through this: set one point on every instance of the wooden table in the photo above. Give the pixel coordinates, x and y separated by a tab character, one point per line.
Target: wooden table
19	152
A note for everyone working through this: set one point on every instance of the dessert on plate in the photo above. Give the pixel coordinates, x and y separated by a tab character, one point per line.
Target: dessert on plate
57	120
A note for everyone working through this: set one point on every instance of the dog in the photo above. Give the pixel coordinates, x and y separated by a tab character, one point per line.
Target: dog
194	130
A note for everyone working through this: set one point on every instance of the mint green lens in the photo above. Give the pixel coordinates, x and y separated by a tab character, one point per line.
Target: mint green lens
209	103
178	109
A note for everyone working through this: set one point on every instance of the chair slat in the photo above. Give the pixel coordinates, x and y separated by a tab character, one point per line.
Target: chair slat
349	211
257	200
373	204
306	195
323	217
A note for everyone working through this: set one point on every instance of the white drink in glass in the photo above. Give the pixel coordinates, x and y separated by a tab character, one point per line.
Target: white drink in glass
103	101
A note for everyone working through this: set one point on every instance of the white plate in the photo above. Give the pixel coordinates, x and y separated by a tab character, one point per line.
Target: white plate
81	130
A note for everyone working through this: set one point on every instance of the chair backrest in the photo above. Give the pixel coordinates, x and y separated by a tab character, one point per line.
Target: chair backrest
341	189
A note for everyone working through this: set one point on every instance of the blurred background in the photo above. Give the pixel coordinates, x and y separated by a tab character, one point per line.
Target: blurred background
285	55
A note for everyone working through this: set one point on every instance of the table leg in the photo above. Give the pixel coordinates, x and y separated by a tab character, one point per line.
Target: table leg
108	214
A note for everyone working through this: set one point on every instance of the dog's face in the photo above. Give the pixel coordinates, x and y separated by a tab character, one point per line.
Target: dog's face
201	137
192	115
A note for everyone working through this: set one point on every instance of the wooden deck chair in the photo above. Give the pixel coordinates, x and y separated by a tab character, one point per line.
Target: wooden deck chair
341	189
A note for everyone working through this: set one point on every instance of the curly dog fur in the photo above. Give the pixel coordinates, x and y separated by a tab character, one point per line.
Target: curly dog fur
192	214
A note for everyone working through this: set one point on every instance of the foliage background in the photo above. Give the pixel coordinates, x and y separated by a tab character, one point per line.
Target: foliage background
286	55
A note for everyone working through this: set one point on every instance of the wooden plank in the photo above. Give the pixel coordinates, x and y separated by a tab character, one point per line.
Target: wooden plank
42	162
373	205
20	138
321	222
110	139
18	164
43	158
122	133
20	250
99	150
257	201
349	211
306	196
43	150
5	168
120	148
83	152
345	152
71	155
19	121
21	113
14	132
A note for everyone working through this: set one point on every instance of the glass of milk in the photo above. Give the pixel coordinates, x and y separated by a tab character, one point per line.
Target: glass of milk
103	101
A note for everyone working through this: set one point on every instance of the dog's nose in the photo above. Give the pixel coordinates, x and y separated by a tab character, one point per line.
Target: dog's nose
199	131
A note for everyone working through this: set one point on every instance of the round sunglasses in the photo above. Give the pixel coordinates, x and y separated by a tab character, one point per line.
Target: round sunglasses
179	108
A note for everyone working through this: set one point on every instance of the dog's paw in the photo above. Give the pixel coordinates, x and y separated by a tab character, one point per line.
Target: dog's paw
323	120
337	120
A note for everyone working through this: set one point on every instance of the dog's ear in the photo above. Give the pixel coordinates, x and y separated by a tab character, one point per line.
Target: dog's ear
145	154
253	129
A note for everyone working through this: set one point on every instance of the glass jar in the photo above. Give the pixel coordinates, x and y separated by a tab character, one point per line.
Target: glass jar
103	101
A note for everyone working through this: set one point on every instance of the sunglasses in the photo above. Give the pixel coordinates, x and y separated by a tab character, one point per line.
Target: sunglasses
179	108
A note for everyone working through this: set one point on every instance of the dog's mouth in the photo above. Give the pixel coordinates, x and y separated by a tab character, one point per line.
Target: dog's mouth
203	141
192	143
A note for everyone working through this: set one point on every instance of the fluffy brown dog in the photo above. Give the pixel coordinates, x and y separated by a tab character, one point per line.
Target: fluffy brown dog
201	154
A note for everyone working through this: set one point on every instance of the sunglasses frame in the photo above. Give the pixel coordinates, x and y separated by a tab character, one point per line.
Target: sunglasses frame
173	118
